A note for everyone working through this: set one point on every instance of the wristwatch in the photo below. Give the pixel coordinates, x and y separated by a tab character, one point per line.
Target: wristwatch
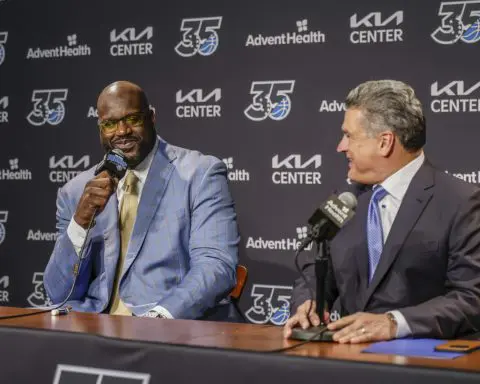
154	314
393	322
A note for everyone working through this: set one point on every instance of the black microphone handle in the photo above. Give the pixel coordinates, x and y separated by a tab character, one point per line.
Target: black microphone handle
315	233
90	225
304	243
321	270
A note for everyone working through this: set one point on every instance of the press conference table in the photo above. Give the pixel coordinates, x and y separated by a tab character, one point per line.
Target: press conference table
41	347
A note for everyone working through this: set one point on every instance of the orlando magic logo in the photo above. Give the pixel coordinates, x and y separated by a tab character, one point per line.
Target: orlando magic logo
48	106
38	298
3	220
3	40
271	303
199	36
270	99
460	21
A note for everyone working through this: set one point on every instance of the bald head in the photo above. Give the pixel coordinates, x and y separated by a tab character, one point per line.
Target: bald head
121	95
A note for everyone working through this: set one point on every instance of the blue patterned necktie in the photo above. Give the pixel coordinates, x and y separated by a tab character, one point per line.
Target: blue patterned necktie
374	230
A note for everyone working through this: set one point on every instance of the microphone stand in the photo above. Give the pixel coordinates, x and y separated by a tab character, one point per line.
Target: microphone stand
320	332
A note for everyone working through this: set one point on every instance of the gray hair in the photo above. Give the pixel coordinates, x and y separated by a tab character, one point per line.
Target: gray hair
390	105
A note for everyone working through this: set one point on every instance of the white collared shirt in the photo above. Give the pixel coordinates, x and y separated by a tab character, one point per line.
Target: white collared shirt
77	234
396	185
141	171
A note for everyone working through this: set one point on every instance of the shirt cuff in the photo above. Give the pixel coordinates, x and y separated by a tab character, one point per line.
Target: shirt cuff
403	329
76	235
163	311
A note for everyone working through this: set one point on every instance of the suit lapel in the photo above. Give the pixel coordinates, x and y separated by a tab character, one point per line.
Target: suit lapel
153	191
414	202
361	253
349	257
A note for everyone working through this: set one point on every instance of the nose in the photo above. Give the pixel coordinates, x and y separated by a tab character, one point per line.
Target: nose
122	128
343	144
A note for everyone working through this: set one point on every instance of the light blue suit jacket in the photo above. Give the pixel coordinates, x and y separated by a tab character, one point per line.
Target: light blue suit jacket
182	253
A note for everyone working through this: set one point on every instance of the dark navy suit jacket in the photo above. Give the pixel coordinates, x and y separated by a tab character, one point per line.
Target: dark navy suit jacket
430	265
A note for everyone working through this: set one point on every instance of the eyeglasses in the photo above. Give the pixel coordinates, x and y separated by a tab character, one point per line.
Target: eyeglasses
132	120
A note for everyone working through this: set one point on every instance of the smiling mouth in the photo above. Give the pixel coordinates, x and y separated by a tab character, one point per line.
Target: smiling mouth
125	145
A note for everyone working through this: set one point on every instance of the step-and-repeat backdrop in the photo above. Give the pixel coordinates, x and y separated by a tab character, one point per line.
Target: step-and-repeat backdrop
259	84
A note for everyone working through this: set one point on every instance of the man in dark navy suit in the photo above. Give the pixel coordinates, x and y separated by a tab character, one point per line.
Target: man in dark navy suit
408	263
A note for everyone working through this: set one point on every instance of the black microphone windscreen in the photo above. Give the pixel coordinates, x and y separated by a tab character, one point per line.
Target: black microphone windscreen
349	199
115	162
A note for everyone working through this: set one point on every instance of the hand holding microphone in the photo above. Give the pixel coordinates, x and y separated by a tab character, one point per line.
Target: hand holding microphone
94	198
97	191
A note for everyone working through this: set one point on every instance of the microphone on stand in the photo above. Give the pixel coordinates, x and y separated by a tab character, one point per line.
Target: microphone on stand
327	220
324	224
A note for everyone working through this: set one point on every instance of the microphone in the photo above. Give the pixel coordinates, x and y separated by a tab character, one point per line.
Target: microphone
324	224
327	220
114	162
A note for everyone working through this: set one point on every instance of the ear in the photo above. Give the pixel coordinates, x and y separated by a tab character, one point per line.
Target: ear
152	114
386	143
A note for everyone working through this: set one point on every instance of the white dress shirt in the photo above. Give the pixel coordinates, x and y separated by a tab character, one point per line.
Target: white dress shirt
396	185
77	234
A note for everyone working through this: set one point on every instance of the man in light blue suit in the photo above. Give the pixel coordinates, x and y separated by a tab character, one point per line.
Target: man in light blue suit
179	260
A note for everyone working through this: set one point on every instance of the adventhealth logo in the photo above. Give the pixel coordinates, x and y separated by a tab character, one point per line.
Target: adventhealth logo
37	235
197	103
131	42
302	232
15	173
233	173
469	177
286	244
332	106
373	28
293	169
93	112
301	36
70	50
455	96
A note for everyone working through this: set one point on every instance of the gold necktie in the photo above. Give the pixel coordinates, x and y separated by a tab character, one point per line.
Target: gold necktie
128	212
